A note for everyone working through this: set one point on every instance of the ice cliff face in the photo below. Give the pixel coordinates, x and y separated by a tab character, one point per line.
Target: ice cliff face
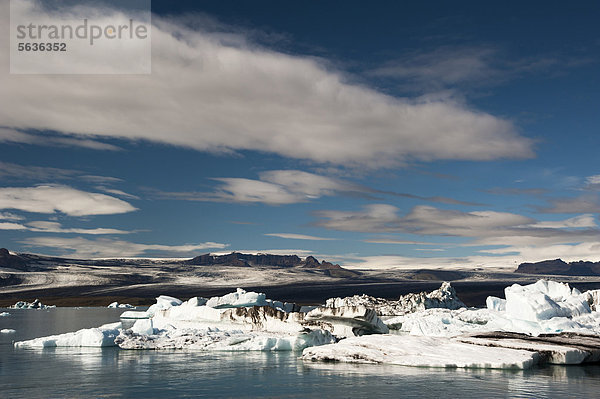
444	297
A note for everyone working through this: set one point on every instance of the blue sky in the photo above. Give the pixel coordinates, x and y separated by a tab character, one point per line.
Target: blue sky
438	134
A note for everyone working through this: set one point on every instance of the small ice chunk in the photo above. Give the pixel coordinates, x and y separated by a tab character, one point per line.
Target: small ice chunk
121	305
7	331
130	314
195	301
163	302
495	303
143	327
237	299
4	314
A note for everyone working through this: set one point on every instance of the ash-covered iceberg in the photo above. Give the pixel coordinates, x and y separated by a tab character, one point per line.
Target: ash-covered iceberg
444	297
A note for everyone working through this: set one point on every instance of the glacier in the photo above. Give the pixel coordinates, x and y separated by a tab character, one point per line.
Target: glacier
540	323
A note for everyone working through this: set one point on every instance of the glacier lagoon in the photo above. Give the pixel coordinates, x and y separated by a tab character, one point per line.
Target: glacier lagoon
111	372
27	371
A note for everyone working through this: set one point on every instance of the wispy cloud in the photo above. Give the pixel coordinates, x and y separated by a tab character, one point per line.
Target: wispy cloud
11	226
13	171
55	227
56	198
248	97
106	247
586	203
10	216
53	140
116	192
482	228
592	183
277	187
467	66
293	236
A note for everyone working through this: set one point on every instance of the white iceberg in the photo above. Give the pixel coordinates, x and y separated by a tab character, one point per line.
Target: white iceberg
421	352
121	305
4	314
7	331
544	300
99	336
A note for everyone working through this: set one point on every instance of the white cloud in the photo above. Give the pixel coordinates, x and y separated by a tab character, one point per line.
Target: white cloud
586	220
293	236
278	187
11	226
104	247
274	187
54	198
593	179
592	182
211	92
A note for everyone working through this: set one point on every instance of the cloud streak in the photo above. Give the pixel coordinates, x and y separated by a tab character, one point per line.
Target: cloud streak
106	247
292	236
278	187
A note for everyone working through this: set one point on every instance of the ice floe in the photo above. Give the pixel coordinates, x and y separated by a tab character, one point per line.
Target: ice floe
7	331
4	314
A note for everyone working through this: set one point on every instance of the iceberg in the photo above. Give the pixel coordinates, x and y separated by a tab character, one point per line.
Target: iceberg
36	304
421	352
99	336
4	314
544	322
121	305
444	297
544	300
7	331
222	340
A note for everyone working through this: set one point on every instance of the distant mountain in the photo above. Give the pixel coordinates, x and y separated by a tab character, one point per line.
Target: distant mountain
30	262
560	267
11	261
250	260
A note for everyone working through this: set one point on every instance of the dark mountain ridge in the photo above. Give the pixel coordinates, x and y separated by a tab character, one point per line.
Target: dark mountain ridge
560	267
26	262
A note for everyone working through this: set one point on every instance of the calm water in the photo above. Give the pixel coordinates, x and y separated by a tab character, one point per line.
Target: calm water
114	373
